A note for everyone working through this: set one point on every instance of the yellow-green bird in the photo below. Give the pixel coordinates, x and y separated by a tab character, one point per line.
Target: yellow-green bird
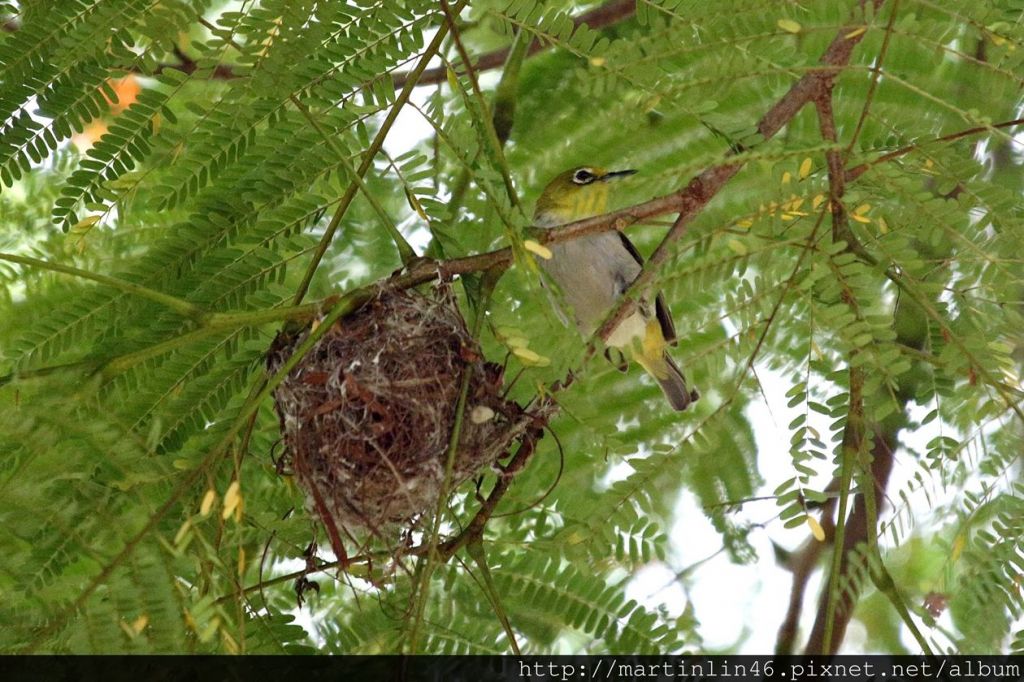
594	271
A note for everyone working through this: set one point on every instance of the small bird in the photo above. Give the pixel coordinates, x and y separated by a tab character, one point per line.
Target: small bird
594	271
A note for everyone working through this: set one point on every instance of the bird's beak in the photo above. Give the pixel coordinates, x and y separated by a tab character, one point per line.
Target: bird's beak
616	175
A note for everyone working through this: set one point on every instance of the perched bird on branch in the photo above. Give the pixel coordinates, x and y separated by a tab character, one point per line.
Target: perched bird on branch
594	271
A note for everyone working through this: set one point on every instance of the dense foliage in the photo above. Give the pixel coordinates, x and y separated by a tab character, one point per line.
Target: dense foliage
170	168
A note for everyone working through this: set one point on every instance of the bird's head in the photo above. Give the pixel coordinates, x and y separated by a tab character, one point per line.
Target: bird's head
577	193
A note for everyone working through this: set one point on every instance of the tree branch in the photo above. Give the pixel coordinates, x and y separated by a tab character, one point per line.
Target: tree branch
823	637
802	564
857	529
703	188
857	171
838	598
178	305
427	270
188	66
369	154
605	15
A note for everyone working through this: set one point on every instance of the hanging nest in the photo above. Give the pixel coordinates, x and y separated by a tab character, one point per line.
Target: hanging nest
367	415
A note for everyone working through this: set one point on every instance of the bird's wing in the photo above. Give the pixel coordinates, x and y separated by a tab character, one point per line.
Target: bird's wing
668	327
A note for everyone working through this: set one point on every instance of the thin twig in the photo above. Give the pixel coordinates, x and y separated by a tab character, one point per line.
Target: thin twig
876	74
859	170
703	188
485	115
178	305
405	251
368	156
475	549
605	15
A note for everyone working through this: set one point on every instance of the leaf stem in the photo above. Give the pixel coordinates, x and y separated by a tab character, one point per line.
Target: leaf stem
475	549
484	111
847	451
176	304
405	251
214	323
880	575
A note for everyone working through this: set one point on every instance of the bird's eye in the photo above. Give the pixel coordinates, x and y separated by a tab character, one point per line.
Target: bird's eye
583	176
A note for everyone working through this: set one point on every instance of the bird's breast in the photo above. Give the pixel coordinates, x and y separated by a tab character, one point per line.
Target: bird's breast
590	272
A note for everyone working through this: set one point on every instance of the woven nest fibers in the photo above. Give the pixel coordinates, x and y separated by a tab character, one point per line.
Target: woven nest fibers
367	415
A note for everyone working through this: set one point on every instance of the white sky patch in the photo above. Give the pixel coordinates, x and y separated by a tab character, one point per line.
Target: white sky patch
410	126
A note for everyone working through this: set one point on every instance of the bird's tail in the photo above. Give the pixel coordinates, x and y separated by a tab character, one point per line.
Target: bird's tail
674	386
654	358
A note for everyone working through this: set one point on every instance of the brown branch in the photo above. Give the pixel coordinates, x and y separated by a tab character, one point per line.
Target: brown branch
885	443
856	534
426	270
802	564
609	13
834	163
836	603
857	171
831	607
875	76
701	189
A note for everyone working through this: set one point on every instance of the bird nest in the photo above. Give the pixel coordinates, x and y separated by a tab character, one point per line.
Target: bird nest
368	414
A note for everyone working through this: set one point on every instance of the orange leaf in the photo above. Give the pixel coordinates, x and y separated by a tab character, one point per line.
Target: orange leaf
89	135
127	90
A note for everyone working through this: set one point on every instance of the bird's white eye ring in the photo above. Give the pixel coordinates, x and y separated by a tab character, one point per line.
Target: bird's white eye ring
583	176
